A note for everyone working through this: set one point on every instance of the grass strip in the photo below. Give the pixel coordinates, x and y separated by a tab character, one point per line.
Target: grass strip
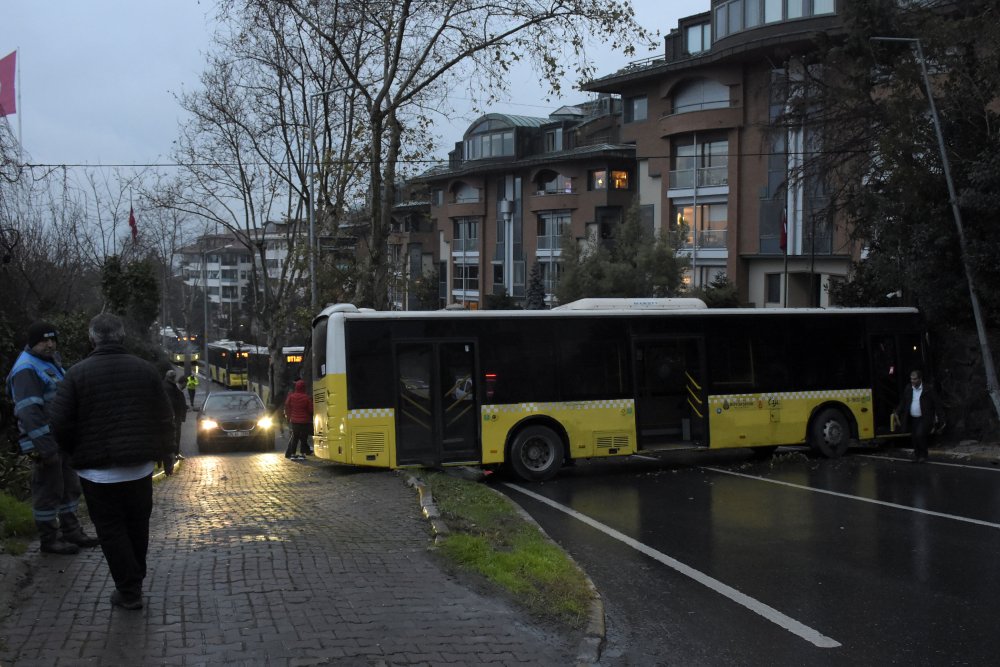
488	536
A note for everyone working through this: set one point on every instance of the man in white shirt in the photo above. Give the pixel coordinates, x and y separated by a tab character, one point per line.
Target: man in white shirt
918	413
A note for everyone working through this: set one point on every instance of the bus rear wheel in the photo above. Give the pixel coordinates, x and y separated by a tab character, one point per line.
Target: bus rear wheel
830	433
536	454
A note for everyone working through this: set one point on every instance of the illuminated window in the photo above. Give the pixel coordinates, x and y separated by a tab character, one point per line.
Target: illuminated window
619	180
599	179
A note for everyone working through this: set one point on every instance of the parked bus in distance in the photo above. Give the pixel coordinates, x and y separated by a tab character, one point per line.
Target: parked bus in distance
178	345
259	363
531	390
227	363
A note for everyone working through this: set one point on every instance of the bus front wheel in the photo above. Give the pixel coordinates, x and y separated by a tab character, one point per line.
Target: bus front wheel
830	433
536	454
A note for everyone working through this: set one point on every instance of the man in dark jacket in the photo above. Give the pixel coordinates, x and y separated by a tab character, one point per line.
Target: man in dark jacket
55	487
918	412
111	414
298	412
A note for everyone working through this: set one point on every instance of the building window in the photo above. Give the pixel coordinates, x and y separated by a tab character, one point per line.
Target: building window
699	38
736	15
551	225
705	223
550	183
772	10
490	144
701	161
465	234
772	288
465	193
700	95
465	277
550	270
554	140
602	179
635	109
437	197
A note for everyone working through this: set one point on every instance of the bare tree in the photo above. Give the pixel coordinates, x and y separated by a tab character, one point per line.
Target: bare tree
398	55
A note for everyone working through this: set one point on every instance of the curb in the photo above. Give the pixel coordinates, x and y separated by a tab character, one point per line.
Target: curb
589	649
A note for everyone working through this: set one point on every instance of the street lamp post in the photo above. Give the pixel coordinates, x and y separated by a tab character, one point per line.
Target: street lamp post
984	345
204	303
309	199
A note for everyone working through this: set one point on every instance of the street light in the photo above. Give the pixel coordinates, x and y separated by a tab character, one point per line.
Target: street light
309	199
984	345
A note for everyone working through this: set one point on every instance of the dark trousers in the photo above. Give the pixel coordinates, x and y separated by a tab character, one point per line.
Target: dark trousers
55	496
120	513
191	395
300	438
920	428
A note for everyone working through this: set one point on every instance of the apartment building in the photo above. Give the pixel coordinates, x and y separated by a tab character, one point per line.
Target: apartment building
514	184
711	159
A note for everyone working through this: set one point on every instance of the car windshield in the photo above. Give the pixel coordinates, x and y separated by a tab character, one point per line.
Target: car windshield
240	403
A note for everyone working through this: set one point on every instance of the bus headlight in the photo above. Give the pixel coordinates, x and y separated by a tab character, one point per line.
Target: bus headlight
265	422
208	425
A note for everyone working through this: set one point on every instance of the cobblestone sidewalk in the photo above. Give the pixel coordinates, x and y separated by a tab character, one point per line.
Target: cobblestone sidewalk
257	560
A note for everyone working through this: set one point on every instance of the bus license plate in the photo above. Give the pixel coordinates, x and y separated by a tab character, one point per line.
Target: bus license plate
238	434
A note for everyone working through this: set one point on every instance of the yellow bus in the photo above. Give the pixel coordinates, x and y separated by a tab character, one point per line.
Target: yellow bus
532	390
227	363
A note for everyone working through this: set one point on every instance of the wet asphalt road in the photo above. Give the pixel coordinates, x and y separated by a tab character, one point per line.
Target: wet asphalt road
721	560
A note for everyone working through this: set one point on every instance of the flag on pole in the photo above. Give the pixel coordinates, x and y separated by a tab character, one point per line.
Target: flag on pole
131	223
784	230
7	72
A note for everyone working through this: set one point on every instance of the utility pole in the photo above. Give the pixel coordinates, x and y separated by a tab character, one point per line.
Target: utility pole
984	343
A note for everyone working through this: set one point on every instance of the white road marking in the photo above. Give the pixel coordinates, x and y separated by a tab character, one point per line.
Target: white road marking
932	463
954	517
756	606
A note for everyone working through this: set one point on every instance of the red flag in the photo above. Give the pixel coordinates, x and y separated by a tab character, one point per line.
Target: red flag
7	72
784	230
131	223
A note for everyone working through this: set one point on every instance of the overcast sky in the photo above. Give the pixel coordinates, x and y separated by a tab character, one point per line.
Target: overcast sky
97	78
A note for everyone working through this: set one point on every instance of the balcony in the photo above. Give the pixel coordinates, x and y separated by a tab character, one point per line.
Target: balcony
550	201
707	177
464	245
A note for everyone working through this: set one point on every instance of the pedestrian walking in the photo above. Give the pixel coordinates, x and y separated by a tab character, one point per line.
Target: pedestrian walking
112	415
192	386
919	413
55	486
298	413
179	406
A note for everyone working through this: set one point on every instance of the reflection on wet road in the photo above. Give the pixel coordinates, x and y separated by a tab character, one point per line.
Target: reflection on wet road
850	561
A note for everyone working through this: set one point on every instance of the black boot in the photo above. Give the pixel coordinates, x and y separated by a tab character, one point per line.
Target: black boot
48	532
80	539
72	531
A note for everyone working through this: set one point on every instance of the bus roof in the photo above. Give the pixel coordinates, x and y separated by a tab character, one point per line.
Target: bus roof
349	311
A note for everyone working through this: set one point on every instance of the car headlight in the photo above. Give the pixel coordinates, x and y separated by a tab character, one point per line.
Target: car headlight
265	422
208	424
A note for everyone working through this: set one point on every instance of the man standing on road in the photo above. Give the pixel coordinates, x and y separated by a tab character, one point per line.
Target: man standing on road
918	413
113	416
55	487
192	386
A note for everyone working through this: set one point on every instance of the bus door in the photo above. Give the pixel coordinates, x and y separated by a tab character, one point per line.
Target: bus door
437	406
893	356
670	391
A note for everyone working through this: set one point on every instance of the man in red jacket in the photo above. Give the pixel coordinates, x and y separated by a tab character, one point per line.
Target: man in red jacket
298	413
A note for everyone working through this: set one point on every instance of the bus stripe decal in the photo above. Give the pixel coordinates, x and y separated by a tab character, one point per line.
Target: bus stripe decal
770	613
